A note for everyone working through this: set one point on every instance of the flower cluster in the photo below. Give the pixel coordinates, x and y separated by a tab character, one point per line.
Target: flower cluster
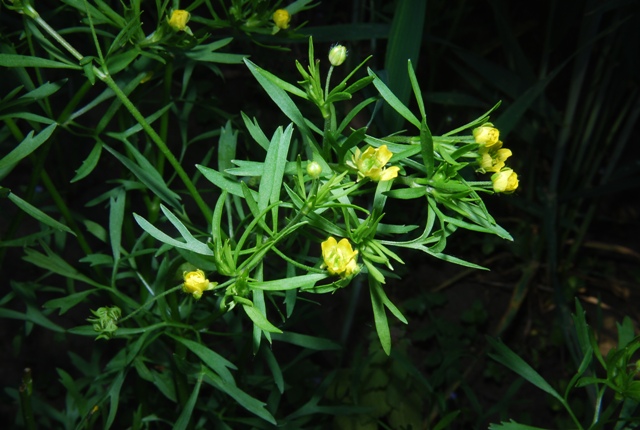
339	257
371	164
493	157
105	322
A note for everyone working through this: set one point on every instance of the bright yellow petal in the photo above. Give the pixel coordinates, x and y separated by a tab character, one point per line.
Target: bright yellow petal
390	173
383	155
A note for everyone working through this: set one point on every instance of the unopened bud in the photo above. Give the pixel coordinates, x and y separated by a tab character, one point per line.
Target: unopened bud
337	55
314	170
281	18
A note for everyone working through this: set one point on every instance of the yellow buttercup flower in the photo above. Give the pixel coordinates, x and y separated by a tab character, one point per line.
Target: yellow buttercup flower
179	19
339	257
505	181
371	162
195	283
493	161
282	17
486	134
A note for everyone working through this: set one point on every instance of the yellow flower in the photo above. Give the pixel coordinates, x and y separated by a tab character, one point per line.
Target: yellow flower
282	17
486	134
179	19
371	162
337	55
505	181
195	283
493	161
339	257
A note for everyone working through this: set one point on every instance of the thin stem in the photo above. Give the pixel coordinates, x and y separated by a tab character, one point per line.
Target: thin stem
153	299
108	80
162	146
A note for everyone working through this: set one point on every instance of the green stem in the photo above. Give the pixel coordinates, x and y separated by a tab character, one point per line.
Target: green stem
108	80
25	400
33	14
153	299
162	146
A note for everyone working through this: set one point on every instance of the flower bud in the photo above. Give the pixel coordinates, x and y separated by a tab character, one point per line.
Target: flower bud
281	17
337	55
195	283
179	19
505	181
314	170
486	134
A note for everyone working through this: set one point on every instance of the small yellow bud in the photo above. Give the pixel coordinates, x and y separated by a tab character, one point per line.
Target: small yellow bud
179	19
337	55
371	162
486	134
195	283
505	181
282	17
339	257
314	170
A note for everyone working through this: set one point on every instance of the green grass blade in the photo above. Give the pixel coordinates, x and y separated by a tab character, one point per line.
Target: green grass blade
510	359
405	39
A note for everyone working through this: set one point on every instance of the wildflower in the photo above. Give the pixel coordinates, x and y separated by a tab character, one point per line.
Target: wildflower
370	164
486	135
493	161
179	19
195	283
337	55
282	17
339	257
505	181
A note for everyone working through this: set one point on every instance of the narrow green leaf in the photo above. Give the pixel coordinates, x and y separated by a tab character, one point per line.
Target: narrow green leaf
27	146
89	163
116	218
38	214
246	401
274	367
224	183
227	146
512	425
303	281
185	416
255	131
511	360
274	164
407	193
393	101
426	147
147	174
417	93
67	302
14	60
283	101
405	39
195	246
306	341
379	315
215	361
260	320
114	398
